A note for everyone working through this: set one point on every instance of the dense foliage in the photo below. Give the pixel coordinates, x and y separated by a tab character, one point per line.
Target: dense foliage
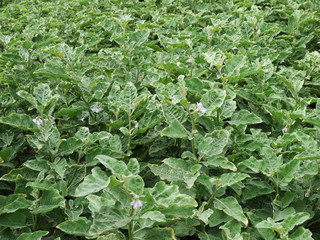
160	119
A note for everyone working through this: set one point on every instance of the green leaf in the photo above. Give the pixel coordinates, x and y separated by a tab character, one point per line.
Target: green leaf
175	169
255	218
37	165
220	162
149	120
83	134
139	37
302	234
212	144
32	236
279	114
271	162
244	117
204	216
151	218
231	207
256	188
245	71
133	166
112	236
127	98
232	230
28	174
194	85
27	96
54	70
213	100
78	227
290	222
167	195
175	130
70	145
108	219
228	108
174	113
21	121
116	166
228	179
13	203
92	183
42	93
233	65
218	217
270	224
14	220
155	233
49	200
308	155
136	185
287	172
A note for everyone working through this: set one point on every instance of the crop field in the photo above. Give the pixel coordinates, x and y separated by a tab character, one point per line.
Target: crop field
160	119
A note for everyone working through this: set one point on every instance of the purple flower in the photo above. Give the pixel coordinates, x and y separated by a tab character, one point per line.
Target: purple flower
234	48
259	31
96	110
137	203
201	108
37	121
190	60
284	130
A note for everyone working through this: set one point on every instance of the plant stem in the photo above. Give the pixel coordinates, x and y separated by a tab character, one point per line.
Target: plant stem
35	222
130	230
192	133
72	178
131	224
211	199
191	71
130	136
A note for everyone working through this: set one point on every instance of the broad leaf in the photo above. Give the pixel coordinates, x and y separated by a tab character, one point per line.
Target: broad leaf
32	236
212	144
92	183
49	200
116	166
127	98
43	95
229	179
136	185
213	100
21	121
231	207
78	227
244	117
287	172
175	130
108	219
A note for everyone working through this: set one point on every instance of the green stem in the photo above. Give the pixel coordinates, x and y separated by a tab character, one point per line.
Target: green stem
84	100
35	222
191	71
73	176
211	199
261	89
130	136
218	119
131	224
130	230
276	185
192	133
